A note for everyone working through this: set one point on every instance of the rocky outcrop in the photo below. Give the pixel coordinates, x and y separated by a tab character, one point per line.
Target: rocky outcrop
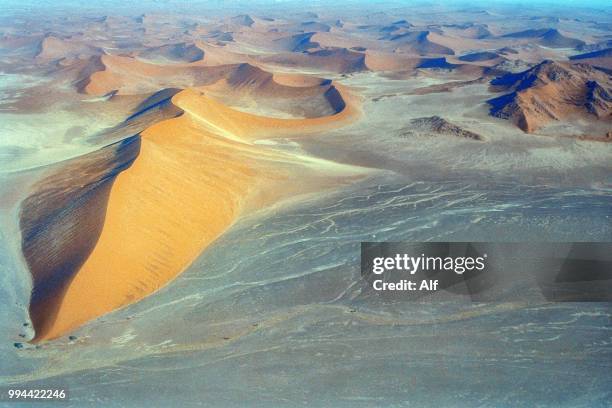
439	126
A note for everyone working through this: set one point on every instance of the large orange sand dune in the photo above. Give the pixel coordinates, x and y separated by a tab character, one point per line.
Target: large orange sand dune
194	174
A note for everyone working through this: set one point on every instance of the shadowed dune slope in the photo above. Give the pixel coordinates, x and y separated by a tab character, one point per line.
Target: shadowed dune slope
194	174
479	56
62	221
607	53
155	108
601	58
295	43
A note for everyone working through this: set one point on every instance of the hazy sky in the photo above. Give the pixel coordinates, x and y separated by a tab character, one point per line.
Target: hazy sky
300	4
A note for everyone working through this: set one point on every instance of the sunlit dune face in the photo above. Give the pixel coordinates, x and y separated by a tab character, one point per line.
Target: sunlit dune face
131	231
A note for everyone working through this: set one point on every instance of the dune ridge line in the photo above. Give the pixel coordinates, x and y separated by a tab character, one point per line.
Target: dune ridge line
192	176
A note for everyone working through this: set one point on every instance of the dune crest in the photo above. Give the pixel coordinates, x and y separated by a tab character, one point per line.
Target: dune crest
194	174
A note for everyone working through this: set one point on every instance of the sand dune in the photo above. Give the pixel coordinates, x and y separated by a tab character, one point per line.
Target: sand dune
132	232
340	60
173	53
382	61
242	20
129	76
215	55
396	27
418	42
293	95
154	108
236	84
553	91
314	26
599	46
52	47
475	31
28	45
549	37
438	63
62	220
601	58
295	43
405	64
338	39
607	53
479	56
266	41
456	67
